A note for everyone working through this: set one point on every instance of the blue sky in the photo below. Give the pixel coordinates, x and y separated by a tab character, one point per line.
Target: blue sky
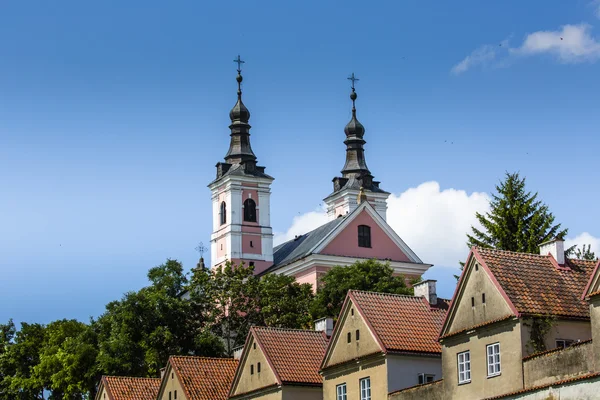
113	116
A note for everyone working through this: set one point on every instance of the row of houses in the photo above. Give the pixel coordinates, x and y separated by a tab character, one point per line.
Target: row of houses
518	326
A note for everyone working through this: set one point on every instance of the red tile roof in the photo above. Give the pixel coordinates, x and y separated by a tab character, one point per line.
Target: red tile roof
126	388
401	323
535	284
295	355
204	378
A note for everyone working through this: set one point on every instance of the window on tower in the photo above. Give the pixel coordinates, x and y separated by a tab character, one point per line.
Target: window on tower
249	210
223	213
364	236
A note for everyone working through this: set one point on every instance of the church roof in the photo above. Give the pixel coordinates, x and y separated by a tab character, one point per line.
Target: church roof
301	246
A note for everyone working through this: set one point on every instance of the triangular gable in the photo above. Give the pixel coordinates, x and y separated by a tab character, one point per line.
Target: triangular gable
243	381
388	241
166	378
102	390
475	280
338	349
593	285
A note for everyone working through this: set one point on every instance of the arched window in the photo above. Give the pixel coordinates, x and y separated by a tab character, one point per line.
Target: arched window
364	236
249	210
223	213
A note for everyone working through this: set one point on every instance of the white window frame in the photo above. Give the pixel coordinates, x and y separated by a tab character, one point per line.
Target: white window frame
464	362
565	343
426	378
365	388
492	352
341	392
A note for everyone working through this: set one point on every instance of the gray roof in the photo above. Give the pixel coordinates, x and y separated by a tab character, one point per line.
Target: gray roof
301	246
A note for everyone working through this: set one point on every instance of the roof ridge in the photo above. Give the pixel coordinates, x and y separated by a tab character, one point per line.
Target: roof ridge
205	358
128	377
312	230
386	294
511	252
285	329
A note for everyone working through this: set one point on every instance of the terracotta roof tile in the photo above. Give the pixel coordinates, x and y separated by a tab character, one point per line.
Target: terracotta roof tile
536	285
126	388
402	323
204	378
294	354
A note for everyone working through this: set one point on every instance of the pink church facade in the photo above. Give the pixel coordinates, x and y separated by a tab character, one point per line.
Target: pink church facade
357	207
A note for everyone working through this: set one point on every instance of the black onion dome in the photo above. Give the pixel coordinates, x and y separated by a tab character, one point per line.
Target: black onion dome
239	112
354	127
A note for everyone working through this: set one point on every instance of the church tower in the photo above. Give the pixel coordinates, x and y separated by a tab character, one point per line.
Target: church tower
241	198
356	183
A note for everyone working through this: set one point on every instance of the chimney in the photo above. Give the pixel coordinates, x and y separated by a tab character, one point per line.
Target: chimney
556	248
426	289
237	352
162	372
324	325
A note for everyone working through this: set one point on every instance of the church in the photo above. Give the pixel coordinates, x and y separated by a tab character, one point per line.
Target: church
356	209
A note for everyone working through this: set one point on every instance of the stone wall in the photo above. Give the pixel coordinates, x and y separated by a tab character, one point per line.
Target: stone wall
557	365
429	391
586	388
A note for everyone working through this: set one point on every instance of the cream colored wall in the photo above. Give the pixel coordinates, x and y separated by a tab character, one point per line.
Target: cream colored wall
103	395
352	373
478	282
343	351
508	334
561	329
595	325
248	382
302	393
274	393
170	384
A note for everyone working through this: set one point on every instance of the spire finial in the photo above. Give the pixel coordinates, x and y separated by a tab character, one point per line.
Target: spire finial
239	78
353	95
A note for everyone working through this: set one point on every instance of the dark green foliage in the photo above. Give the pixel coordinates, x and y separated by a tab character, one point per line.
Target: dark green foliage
370	275
583	253
517	221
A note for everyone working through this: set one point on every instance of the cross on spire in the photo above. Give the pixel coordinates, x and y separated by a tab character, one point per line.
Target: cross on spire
201	249
353	79
239	62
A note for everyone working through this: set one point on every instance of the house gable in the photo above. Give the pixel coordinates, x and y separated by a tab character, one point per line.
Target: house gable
171	384
593	285
468	308
245	381
103	393
345	243
340	350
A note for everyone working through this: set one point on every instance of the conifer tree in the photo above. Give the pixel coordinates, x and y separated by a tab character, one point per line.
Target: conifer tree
517	221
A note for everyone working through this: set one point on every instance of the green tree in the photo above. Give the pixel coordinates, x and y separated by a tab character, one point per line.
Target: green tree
284	303
138	333
583	253
67	363
517	221
370	275
19	356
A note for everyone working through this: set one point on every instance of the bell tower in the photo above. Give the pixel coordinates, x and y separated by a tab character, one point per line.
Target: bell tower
356	184
241	196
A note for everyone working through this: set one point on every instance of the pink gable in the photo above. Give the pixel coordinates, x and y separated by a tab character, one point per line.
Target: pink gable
382	246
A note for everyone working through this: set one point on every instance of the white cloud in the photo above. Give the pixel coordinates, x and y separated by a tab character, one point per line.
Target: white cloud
571	44
301	225
482	55
584	238
431	221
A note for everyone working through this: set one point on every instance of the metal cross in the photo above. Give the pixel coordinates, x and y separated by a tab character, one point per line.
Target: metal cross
201	249
239	63
353	79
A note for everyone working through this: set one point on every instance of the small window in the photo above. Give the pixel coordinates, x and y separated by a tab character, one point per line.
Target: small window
252	263
357	334
223	213
352	311
252	369
493	359
249	210
251	244
464	367
349	337
472	301
175	397
172	375
483	298
426	378
564	343
170	398
258	368
341	392
254	346
476	267
365	389
364	236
